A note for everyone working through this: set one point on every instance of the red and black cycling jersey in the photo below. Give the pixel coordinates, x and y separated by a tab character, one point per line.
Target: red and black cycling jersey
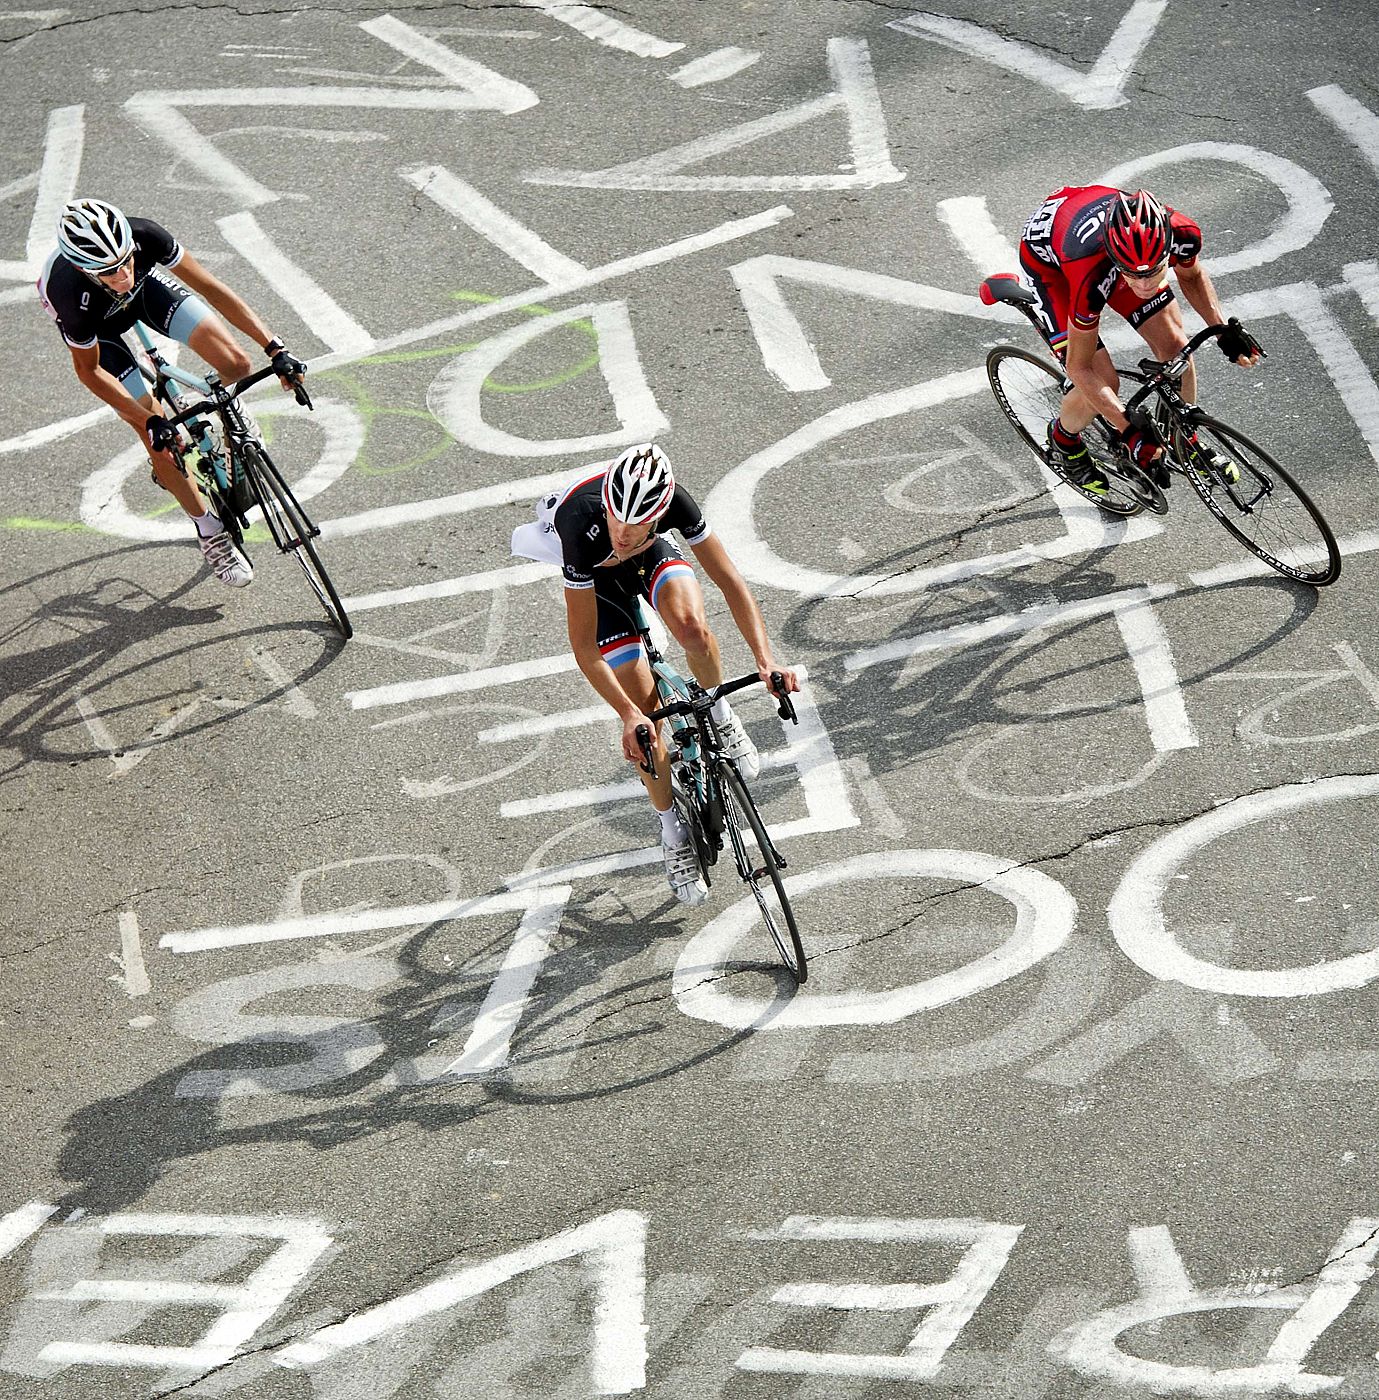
1066	233
83	309
581	522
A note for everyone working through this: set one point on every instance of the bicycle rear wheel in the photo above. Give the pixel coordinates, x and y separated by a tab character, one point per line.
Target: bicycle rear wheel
741	817
291	529
1029	390
1266	510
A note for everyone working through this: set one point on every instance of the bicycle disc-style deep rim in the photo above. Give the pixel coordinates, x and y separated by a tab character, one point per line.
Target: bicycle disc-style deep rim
1267	511
288	524
1037	373
738	806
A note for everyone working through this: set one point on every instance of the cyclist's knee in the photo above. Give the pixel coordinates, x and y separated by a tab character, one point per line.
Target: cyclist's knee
692	631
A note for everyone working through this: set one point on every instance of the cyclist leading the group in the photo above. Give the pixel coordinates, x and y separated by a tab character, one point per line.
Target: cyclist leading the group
612	526
109	271
1094	246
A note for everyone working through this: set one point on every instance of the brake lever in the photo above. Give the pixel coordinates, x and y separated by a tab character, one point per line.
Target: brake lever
786	708
644	743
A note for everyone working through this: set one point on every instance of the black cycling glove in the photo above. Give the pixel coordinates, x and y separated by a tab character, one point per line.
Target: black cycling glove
161	434
1236	342
285	364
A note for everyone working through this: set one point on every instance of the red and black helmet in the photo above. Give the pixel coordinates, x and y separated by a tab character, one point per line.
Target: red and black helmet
1137	232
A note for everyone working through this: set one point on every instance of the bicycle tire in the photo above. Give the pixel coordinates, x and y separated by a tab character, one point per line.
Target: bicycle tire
1266	511
737	808
291	529
1029	390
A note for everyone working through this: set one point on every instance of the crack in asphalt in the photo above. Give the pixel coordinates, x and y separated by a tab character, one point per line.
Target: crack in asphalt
957	542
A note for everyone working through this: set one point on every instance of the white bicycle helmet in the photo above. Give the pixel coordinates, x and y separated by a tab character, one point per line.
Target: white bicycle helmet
638	485
93	235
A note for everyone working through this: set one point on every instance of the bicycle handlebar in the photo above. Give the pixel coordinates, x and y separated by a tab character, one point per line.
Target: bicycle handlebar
233	392
704	701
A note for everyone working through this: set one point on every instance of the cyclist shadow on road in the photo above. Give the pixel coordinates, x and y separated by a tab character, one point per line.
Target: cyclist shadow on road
98	618
588	1003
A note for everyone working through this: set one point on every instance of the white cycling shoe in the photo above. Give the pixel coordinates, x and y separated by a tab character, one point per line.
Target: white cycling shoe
225	560
738	747
682	873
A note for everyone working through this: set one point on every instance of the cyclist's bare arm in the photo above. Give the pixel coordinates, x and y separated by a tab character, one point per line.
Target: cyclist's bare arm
230	306
1201	296
721	569
581	623
86	361
1082	366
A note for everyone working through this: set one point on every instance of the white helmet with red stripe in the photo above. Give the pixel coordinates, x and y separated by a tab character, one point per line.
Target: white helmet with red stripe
638	485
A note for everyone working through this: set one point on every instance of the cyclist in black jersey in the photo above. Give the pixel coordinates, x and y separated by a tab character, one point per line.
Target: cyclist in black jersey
612	527
109	271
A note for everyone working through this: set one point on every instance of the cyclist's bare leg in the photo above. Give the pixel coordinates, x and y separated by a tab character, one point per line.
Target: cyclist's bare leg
680	603
1076	410
169	476
1166	336
636	679
211	339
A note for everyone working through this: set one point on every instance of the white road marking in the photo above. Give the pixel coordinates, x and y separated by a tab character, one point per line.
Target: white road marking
340	925
455	397
1352	119
511	577
1098	88
1136	913
320	312
56	183
543	724
604	28
136	980
986	1248
244	1307
17	1225
969	221
403	692
460	198
616	1267
486	88
854	94
714	67
294	702
1045	914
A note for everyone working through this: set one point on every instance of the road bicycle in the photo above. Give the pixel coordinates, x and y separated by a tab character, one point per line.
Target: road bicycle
712	797
1246	490
231	465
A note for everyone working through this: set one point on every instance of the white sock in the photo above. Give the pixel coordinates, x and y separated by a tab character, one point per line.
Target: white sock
721	712
208	524
673	831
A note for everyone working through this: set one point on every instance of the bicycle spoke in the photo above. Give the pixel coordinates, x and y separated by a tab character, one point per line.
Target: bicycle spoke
763	878
291	531
1029	391
1266	510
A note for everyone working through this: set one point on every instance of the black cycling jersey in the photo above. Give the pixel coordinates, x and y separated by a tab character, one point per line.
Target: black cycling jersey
84	311
582	525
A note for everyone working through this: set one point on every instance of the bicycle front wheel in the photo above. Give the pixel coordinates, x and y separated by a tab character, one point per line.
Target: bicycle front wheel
1265	509
742	819
1029	390
291	530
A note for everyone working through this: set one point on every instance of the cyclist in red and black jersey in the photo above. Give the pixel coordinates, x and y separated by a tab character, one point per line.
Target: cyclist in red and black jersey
109	271
1089	247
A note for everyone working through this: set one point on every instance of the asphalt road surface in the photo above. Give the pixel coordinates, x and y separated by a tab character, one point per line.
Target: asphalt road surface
351	1044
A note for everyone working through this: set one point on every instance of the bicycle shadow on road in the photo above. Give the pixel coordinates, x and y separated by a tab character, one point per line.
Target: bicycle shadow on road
100	619
587	1002
896	712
